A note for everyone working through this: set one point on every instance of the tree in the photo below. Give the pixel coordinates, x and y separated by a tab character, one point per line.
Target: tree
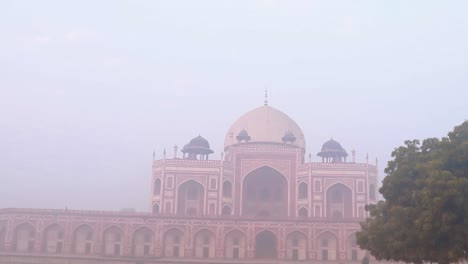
424	217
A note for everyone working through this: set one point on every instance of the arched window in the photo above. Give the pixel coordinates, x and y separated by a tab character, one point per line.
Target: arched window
235	244
302	191
174	243
339	201
317	211
156	209
327	247
227	189
157	187
226	210
25	238
204	244
53	239
190	199
303	213
112	241
296	248
143	242
83	240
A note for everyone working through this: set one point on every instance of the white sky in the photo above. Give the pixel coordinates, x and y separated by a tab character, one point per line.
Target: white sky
89	88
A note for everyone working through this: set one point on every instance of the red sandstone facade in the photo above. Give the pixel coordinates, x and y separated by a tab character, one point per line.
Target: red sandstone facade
260	203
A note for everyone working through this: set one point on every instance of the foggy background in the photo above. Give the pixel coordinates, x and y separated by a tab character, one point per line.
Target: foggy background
88	89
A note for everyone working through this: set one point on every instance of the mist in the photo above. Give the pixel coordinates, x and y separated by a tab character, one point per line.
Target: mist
88	90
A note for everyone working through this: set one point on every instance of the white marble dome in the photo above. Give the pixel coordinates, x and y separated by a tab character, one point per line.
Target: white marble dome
265	124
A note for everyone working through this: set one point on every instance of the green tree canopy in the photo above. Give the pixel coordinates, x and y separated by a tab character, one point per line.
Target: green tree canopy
424	217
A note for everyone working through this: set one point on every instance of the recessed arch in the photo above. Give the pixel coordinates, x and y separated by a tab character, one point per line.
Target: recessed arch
156	209
83	239
204	244
353	252
227	210
265	193
143	239
53	239
235	243
157	187
303	212
266	245
227	189
112	241
302	191
339	201
296	246
24	237
190	198
174	243
2	237
327	246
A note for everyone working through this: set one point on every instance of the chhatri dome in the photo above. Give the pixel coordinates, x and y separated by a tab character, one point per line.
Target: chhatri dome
265	124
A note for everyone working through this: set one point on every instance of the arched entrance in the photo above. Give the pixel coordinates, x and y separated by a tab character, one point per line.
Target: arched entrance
265	193
265	245
339	201
190	199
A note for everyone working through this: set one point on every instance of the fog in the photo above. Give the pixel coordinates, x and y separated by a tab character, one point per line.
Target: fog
88	89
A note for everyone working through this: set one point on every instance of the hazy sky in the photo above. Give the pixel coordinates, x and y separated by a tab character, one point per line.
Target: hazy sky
88	89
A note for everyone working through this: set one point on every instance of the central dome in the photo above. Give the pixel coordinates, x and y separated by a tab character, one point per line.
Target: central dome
265	124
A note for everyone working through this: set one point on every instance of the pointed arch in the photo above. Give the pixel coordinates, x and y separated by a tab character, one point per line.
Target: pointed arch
302	191
235	243
265	192
339	199
53	239
112	241
353	252
157	187
296	246
24	237
155	209
143	239
327	246
266	245
227	210
83	240
303	212
227	189
174	245
204	244
190	198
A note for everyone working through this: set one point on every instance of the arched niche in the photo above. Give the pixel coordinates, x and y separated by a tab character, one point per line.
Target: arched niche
327	246
353	252
157	187
339	199
143	240
266	245
112	241
296	246
265	193
234	245
190	199
83	240
53	239
302	191
156	209
24	238
204	244
303	212
227	189
174	245
227	210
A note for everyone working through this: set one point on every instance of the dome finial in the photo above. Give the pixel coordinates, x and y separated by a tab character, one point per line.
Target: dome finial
265	102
